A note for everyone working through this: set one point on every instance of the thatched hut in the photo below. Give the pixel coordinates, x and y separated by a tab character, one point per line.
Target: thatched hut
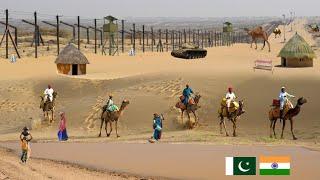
297	53
71	61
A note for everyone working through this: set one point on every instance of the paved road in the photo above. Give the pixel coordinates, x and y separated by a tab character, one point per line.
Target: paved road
177	161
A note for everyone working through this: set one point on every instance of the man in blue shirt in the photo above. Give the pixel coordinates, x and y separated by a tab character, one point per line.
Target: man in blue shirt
187	93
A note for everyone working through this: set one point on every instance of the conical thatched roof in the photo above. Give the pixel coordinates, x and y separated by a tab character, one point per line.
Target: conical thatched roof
71	55
298	48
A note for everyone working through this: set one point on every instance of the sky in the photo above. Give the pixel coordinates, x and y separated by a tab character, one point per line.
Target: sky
164	8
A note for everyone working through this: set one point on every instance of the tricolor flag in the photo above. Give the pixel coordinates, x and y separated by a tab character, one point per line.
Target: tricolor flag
274	165
240	166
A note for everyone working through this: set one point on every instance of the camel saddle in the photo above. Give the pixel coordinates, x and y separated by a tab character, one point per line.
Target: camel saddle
233	107
276	106
191	100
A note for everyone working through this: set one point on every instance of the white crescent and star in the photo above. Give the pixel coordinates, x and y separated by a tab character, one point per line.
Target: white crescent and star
241	169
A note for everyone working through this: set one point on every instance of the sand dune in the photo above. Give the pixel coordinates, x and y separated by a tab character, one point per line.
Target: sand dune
153	82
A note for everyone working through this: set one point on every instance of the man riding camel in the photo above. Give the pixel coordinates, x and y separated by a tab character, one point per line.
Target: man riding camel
230	97
110	106
283	98
187	92
48	93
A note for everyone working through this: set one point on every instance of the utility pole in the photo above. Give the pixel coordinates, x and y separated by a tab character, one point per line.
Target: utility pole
284	28
95	36
291	13
78	32
58	34
36	35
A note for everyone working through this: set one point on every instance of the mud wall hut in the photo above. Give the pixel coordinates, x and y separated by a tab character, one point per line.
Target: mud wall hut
297	53
71	61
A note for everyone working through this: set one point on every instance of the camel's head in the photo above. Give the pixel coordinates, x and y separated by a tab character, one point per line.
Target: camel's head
125	102
241	107
54	94
302	100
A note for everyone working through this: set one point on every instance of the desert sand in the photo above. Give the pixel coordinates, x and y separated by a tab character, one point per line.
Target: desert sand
153	82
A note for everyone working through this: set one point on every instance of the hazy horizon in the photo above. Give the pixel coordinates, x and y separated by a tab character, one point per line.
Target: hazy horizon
163	8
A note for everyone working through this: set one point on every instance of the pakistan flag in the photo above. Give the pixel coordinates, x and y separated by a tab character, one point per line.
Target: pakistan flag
240	165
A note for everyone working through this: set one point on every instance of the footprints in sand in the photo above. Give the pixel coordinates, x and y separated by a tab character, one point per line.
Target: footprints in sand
11	106
168	88
3	176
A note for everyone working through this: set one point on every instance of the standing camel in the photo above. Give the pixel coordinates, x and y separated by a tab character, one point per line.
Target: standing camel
274	115
233	116
258	33
191	108
276	32
48	106
109	117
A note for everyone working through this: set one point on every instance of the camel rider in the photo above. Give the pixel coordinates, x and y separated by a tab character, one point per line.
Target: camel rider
283	97
187	94
48	93
230	97
109	103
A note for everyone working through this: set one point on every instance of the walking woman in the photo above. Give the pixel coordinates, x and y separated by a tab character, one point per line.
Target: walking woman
62	134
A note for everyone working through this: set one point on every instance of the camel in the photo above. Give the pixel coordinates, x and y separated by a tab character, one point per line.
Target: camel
48	106
258	33
233	116
109	117
190	109
274	115
276	32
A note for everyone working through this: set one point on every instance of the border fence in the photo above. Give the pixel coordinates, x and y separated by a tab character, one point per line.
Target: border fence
89	37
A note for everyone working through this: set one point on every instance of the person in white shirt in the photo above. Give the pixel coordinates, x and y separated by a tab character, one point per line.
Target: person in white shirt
283	97
230	96
48	93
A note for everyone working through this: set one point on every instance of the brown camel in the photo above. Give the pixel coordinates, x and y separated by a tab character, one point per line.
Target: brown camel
191	108
109	117
48	106
276	32
233	116
258	33
274	115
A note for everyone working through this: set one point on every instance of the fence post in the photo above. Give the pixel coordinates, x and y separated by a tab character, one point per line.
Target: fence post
78	32
58	34
142	38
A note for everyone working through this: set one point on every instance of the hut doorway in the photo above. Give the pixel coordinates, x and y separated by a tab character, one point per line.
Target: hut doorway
284	62
74	69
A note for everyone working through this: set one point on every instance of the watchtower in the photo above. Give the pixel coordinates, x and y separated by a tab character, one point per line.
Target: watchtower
110	31
227	27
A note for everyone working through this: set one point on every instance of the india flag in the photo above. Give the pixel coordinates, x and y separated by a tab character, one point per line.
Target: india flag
274	165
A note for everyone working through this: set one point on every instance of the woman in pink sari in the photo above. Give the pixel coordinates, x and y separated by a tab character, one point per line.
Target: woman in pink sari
62	133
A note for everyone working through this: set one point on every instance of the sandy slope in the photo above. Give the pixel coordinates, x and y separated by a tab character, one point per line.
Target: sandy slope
153	82
11	168
177	161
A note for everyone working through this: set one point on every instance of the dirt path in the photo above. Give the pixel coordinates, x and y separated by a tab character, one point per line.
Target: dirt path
178	161
11	168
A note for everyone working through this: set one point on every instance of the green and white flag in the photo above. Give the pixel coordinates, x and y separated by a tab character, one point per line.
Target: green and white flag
240	166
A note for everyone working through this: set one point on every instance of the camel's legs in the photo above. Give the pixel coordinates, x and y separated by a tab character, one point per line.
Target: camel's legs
264	44
234	127
268	45
273	127
106	127
291	123
189	120
195	117
283	126
224	126
102	120
255	42
251	42
182	111
271	123
220	124
117	129
51	116
110	123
